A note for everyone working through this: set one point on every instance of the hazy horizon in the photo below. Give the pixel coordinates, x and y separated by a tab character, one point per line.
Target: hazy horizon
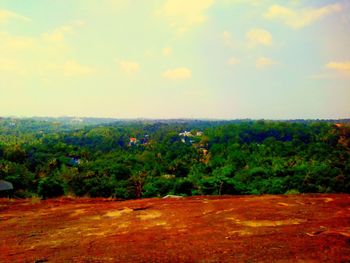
171	119
175	59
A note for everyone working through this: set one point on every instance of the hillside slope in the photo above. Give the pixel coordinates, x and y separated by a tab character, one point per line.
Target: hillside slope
299	228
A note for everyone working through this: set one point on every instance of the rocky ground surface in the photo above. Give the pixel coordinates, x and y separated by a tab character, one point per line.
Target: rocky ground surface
293	228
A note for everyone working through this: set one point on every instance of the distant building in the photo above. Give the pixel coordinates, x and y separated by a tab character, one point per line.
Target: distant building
76	160
5	186
185	134
132	141
144	140
78	120
339	125
199	133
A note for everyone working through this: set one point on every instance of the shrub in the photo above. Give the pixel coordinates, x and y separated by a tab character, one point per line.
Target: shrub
50	187
183	186
158	187
292	192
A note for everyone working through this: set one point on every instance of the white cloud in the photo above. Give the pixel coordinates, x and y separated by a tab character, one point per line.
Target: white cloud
58	34
263	62
300	18
178	73
6	16
42	55
10	43
239	2
340	66
129	67
73	68
184	14
167	51
258	36
233	61
11	66
228	39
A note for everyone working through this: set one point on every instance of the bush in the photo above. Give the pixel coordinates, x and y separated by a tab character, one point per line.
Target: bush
158	187
183	186
123	190
292	192
101	187
50	187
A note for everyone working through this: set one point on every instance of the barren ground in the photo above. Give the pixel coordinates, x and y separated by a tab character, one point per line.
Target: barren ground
294	228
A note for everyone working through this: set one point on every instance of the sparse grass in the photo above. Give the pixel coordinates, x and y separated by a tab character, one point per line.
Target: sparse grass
35	199
292	192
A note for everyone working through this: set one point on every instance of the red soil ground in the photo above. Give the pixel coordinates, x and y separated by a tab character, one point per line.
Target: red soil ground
294	228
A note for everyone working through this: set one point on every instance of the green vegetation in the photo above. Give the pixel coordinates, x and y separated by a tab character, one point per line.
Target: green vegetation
133	159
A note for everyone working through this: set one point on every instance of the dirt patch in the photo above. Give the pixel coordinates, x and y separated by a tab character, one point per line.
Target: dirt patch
324	231
119	213
240	233
78	212
147	215
283	204
328	199
269	223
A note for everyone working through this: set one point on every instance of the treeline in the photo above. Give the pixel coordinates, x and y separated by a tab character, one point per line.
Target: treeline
149	159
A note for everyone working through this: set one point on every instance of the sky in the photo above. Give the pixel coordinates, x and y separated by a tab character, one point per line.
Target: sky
216	59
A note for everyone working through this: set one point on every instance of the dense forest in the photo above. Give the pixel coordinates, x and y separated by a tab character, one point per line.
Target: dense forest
150	158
